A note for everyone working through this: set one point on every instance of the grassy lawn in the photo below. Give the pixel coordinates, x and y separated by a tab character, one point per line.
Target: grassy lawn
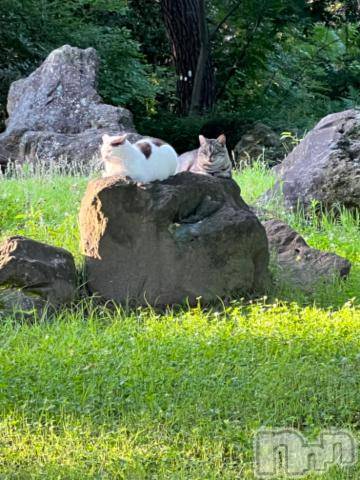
138	395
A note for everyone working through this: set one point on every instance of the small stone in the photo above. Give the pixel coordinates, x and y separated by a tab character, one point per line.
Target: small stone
256	141
299	264
34	274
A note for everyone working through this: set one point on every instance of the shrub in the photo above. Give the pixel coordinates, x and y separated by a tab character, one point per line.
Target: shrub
182	132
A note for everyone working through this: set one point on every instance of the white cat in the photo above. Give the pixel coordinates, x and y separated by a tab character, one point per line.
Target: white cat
144	161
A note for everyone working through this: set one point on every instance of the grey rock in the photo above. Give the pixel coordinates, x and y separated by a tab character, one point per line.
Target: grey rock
298	264
186	237
56	112
255	142
35	274
324	167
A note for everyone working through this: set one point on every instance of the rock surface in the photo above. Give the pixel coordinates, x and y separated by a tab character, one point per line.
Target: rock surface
254	142
22	305
35	274
325	166
165	242
299	264
56	112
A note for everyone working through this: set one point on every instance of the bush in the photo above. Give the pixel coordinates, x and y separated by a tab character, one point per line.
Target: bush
183	132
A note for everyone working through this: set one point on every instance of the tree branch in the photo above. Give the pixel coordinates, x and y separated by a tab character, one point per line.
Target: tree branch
228	15
239	60
250	34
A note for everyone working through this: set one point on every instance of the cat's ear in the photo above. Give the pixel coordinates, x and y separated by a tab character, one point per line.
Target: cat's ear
202	140
222	140
120	140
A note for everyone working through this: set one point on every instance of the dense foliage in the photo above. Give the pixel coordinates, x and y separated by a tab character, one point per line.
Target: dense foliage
285	62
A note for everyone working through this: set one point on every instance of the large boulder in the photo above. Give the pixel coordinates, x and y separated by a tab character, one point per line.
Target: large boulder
34	275
166	242
297	263
325	166
57	113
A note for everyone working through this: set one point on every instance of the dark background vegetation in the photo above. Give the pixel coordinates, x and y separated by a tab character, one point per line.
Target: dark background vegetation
286	63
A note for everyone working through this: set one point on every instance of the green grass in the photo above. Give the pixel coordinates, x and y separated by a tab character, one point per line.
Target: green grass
44	208
144	396
254	181
95	394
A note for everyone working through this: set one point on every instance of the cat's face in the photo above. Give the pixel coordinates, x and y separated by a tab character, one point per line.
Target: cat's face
112	144
212	148
212	152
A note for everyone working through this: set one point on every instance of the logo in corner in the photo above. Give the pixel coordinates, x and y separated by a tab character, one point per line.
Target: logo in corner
287	451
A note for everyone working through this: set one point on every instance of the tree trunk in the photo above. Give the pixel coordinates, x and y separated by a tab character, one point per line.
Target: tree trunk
186	24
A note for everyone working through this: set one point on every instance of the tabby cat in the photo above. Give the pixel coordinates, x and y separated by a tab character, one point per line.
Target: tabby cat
212	158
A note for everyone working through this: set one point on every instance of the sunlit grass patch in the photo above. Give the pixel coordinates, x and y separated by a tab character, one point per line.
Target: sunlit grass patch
171	396
254	180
